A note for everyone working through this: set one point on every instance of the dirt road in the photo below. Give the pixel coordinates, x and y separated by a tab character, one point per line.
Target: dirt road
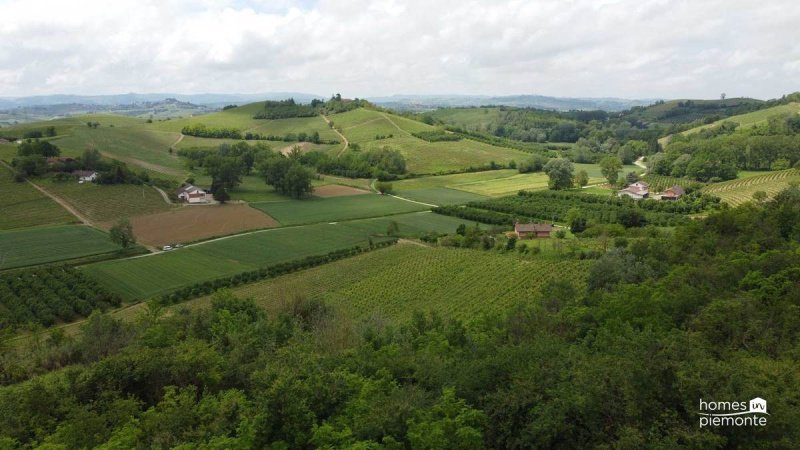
344	139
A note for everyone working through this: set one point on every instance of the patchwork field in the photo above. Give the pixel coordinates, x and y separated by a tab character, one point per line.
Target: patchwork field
192	223
735	192
361	126
390	284
147	276
335	209
49	244
21	205
105	204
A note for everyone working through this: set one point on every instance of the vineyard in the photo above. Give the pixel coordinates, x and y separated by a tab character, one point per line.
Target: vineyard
40	245
391	284
550	206
735	192
23	206
659	183
50	294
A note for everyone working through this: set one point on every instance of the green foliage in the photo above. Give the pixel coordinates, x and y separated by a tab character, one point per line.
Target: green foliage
44	295
201	130
383	187
610	167
436	136
559	172
122	233
37	147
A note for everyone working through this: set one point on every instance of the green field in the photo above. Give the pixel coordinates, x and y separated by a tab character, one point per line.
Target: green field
334	209
23	206
107	203
41	245
735	192
390	284
441	196
361	126
143	277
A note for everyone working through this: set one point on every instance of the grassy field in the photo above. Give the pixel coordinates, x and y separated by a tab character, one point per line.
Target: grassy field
493	183
735	192
48	244
107	203
441	196
335	209
389	285
361	126
23	206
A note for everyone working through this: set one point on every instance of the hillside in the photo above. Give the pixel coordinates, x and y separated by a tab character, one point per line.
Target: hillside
688	110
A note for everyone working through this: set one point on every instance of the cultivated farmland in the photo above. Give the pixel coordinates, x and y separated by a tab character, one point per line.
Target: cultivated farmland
735	192
41	245
336	209
23	206
192	223
392	283
104	204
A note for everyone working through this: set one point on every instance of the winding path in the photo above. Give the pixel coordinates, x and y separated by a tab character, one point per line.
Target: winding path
640	162
394	124
58	200
344	139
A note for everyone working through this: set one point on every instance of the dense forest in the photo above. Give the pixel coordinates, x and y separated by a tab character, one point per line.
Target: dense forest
709	311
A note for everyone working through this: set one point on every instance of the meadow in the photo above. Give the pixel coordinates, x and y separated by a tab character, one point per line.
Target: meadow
41	245
23	206
334	209
105	204
389	285
441	196
467	118
736	192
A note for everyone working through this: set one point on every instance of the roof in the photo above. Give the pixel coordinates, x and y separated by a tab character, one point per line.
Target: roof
187	189
533	227
4	141
677	190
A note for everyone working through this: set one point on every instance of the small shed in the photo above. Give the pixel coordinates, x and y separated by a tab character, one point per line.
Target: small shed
533	230
673	193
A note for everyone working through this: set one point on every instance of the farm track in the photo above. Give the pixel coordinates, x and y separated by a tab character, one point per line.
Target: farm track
344	139
144	164
58	200
394	124
163	194
372	186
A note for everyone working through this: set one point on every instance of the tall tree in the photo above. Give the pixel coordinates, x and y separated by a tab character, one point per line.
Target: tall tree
122	233
559	172
610	167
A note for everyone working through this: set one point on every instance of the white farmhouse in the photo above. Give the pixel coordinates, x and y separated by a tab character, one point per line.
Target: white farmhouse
192	194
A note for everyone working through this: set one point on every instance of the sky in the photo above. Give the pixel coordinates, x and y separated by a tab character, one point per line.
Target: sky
367	48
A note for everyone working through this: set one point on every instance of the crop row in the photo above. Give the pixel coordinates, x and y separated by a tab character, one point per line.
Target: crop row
207	287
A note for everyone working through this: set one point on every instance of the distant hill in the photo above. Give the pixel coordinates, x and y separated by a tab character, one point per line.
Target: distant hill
688	110
428	102
134	98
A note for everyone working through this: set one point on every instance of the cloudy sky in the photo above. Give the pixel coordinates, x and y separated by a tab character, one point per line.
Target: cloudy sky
363	48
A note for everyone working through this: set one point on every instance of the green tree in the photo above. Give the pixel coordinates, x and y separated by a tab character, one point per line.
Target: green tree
392	229
559	172
122	233
383	187
610	167
221	195
449	424
631	177
297	181
582	178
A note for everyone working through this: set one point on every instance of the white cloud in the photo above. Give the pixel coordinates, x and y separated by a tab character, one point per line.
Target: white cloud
627	48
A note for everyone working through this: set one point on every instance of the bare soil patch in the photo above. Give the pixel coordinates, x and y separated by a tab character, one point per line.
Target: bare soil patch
337	190
304	146
191	223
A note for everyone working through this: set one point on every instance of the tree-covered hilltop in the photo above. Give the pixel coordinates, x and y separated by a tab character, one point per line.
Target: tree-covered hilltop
288	108
710	312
